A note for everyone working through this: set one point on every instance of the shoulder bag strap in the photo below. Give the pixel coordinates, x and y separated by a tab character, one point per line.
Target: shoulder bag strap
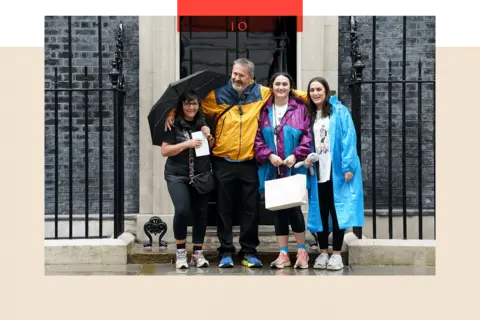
238	102
191	159
275	133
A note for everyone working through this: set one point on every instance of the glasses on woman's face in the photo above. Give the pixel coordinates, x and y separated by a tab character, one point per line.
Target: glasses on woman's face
190	104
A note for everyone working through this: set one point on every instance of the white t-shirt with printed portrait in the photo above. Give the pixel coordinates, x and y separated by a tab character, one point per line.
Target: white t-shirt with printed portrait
322	146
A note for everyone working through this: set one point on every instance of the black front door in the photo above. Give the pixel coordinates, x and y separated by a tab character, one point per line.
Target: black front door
210	43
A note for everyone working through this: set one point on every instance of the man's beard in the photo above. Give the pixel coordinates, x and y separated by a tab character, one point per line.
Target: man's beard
238	87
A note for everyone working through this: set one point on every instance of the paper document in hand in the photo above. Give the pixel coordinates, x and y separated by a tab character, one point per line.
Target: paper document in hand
203	150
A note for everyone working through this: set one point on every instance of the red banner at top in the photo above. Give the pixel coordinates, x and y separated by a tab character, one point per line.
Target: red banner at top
210	8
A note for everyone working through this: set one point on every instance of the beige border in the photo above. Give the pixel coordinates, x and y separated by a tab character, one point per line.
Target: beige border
103	297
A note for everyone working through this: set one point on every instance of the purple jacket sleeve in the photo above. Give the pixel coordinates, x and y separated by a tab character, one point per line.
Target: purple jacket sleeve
262	151
303	150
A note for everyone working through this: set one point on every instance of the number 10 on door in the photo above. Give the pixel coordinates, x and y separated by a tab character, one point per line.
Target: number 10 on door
240	26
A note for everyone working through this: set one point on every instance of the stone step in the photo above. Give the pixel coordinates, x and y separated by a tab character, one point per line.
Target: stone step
266	234
267	252
414	252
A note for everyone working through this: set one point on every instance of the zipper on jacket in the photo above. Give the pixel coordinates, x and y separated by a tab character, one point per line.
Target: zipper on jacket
223	124
240	111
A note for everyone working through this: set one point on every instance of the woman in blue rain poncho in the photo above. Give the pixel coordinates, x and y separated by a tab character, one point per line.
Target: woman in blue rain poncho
336	194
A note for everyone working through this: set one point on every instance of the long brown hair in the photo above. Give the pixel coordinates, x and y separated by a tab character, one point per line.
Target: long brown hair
311	107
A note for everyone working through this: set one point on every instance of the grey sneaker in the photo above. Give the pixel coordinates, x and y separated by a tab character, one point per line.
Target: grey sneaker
199	260
321	261
181	262
335	262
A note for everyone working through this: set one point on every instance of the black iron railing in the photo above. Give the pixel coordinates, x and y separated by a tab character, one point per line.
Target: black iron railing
356	83
114	94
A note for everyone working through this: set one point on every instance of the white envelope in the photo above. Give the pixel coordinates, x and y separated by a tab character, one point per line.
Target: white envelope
203	150
284	193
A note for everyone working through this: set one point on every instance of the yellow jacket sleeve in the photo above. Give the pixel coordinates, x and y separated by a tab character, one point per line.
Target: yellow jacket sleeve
209	105
266	93
301	94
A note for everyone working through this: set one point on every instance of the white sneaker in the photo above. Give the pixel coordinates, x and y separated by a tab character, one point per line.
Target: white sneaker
181	262
199	260
335	262
321	261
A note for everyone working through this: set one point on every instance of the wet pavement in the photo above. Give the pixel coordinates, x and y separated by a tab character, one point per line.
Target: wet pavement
170	270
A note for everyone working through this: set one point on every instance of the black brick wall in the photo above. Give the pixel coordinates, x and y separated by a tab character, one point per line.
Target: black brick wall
85	51
420	44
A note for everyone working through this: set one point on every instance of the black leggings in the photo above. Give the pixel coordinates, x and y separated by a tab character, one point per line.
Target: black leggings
187	201
325	195
292	216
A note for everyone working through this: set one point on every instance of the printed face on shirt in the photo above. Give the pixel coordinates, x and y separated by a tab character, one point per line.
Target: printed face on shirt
241	78
323	132
317	93
281	87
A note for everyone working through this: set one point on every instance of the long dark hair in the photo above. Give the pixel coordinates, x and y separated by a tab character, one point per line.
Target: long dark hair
199	119
312	107
286	75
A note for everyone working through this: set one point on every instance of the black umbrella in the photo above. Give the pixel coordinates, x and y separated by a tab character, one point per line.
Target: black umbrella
202	82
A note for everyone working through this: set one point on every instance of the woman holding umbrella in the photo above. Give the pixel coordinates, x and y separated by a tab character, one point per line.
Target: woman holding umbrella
189	178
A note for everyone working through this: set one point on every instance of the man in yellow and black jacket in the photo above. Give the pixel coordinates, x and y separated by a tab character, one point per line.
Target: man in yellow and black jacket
235	109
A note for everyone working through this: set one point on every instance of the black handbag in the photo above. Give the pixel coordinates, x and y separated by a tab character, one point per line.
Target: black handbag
202	182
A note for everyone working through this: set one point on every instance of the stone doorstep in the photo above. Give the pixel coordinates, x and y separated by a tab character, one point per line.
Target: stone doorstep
266	253
392	252
266	234
264	231
88	251
354	252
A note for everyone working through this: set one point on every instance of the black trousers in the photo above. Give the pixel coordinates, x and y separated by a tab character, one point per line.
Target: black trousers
237	184
325	194
291	216
187	201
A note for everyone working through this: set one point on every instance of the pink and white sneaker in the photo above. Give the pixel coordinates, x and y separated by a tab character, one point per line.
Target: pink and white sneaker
181	262
302	259
282	261
198	260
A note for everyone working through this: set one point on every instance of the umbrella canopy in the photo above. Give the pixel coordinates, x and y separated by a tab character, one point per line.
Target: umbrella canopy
202	82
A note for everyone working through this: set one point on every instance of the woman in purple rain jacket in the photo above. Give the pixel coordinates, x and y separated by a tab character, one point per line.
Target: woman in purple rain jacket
285	116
